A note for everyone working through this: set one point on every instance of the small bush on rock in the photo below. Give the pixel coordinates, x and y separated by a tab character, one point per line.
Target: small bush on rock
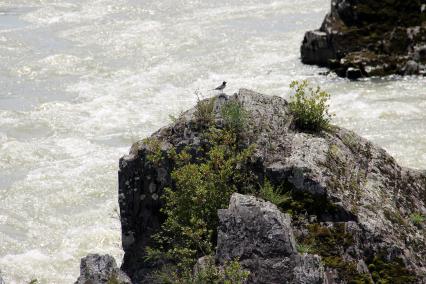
303	248
234	273
394	271
204	110
309	106
230	273
154	147
417	219
200	189
234	116
274	195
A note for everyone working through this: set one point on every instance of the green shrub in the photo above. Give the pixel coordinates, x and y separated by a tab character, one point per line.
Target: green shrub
310	107
417	218
272	194
204	110
234	274
113	280
304	248
394	271
234	116
330	243
230	273
154	150
200	189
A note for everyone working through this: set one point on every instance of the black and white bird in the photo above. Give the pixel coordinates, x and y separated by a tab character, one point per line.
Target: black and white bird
221	87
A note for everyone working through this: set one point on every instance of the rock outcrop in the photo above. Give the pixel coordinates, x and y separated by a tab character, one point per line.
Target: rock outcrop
101	269
353	208
362	38
261	237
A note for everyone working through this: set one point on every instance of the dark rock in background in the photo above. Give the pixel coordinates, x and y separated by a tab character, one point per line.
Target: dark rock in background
101	269
373	37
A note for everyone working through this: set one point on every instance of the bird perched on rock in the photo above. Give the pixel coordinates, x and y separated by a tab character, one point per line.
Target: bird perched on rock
221	87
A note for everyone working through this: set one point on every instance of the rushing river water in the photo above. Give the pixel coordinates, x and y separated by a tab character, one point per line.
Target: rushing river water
80	80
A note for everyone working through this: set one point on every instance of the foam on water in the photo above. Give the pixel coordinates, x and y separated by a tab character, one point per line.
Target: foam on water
82	80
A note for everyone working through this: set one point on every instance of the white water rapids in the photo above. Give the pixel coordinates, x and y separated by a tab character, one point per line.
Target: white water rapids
80	80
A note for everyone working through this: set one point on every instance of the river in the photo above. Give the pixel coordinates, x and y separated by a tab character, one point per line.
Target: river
80	81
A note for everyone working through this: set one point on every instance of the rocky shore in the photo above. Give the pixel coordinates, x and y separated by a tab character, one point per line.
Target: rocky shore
363	38
349	212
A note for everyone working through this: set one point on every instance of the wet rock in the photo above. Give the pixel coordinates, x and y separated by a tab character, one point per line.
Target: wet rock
101	269
386	36
411	68
353	73
316	49
352	193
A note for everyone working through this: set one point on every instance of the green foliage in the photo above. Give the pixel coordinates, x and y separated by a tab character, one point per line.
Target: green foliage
328	241
230	273
309	106
234	116
209	273
386	272
417	219
330	244
200	189
204	110
33	281
298	202
295	202
304	248
347	270
154	150
272	194
394	216
113	280
234	274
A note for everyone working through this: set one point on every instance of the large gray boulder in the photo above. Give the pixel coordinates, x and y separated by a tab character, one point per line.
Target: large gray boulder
362	38
101	269
261	237
353	205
